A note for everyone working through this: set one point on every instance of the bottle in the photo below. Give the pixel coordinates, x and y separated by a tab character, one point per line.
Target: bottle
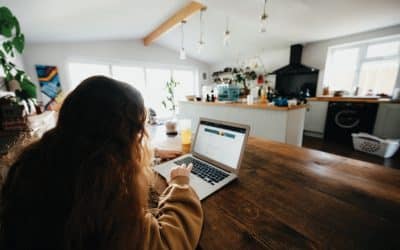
263	95
307	93
269	94
325	91
357	89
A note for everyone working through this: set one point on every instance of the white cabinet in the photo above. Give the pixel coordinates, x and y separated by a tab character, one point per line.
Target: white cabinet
279	125
314	124
387	123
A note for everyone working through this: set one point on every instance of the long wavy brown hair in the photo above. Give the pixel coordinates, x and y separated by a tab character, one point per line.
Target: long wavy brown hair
84	184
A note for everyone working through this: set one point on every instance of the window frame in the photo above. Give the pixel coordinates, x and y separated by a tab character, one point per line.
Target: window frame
362	58
143	65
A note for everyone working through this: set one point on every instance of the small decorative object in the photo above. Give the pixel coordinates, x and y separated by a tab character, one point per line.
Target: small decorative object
250	100
263	94
356	91
338	93
152	117
50	86
260	79
325	90
171	127
228	92
190	98
12	41
370	92
281	102
170	104
212	96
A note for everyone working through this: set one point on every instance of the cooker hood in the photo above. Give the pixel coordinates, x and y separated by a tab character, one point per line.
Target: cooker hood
295	66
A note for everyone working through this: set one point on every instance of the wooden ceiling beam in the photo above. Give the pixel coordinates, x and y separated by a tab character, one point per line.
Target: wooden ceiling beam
177	18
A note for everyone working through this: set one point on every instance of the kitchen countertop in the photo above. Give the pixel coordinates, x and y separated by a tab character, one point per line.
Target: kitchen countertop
249	106
351	99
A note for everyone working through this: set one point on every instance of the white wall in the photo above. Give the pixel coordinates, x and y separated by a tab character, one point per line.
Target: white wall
126	51
272	60
315	54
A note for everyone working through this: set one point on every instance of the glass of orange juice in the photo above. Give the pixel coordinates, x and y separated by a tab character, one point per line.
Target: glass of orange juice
185	127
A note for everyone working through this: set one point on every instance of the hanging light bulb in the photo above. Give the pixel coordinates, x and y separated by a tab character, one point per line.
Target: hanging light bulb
200	46
263	19
182	52
201	43
227	33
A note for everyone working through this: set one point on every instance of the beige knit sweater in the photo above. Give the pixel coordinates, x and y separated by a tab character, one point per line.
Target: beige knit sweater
178	222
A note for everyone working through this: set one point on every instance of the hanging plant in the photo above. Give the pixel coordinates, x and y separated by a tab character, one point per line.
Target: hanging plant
12	41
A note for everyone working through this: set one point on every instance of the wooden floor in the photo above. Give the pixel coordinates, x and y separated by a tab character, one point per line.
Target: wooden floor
348	151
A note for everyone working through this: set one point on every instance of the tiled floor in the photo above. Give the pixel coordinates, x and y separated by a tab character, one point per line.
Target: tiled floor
348	151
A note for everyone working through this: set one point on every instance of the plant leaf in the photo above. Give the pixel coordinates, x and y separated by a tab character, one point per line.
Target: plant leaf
17	27
28	87
19	43
5	13
6	30
7	47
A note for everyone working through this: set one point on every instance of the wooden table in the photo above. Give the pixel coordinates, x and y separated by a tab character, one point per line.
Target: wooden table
289	197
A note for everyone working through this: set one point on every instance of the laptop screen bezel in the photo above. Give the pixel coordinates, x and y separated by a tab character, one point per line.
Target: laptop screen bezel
214	162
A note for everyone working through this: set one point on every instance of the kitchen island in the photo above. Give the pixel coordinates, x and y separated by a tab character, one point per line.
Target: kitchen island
282	124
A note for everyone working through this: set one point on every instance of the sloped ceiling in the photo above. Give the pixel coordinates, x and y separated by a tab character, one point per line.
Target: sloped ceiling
290	21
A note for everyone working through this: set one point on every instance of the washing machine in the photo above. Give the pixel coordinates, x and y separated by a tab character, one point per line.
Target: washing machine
345	118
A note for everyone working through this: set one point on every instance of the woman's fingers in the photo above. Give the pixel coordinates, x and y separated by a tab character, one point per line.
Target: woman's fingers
182	170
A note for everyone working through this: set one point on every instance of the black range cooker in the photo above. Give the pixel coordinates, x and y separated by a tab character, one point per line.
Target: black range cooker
345	118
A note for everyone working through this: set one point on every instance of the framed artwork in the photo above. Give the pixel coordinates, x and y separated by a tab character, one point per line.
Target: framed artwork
50	86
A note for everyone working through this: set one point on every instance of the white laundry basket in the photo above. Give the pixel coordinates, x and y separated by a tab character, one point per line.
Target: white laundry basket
374	145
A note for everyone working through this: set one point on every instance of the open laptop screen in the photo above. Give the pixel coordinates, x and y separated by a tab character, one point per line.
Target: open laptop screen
220	142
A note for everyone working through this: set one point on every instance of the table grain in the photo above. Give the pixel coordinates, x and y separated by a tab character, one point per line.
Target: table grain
288	197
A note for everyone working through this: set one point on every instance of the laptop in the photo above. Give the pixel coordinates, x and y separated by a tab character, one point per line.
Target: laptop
217	152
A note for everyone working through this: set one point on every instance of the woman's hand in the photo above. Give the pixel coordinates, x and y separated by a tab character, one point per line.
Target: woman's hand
182	170
167	154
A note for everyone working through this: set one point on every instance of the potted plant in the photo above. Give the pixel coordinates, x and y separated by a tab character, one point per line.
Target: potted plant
12	41
170	104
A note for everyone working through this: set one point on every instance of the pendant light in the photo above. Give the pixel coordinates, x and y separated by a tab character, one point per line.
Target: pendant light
201	43
182	53
263	19
227	33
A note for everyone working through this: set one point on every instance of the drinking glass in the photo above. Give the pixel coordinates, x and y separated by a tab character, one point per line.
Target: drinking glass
185	126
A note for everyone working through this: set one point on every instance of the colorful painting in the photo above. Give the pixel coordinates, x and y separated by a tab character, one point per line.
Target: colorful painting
50	86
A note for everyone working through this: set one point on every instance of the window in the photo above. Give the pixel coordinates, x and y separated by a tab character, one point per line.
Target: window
372	66
81	71
186	80
155	94
131	75
150	81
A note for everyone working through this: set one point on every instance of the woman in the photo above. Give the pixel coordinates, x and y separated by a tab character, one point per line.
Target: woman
84	184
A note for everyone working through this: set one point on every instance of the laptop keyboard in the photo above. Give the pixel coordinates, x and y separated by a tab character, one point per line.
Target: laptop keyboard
203	170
